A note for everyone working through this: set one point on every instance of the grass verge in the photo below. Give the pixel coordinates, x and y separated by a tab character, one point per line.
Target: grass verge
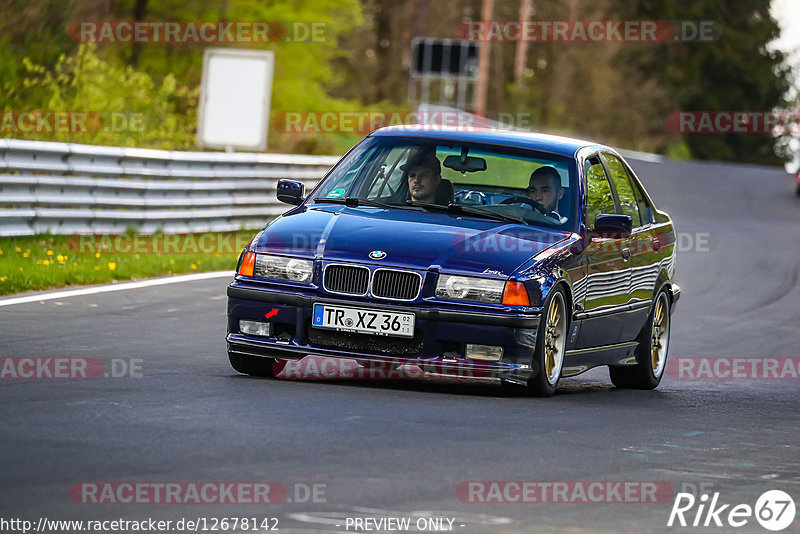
33	263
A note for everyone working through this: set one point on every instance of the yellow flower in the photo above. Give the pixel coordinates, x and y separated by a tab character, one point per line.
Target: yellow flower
18	249
96	267
25	255
96	254
194	267
49	252
172	262
74	263
46	262
112	266
38	262
20	269
60	258
3	278
199	262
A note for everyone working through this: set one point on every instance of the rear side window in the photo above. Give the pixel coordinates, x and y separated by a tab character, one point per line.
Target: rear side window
599	198
645	210
626	198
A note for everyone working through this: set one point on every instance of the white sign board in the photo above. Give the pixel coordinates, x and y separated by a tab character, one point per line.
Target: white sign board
235	99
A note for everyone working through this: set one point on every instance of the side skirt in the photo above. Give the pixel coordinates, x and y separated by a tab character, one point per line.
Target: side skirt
580	360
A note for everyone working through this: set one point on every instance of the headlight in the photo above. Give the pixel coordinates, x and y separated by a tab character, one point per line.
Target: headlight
470	288
281	268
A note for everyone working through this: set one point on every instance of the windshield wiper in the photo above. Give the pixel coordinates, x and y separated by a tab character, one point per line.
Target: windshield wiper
354	202
458	208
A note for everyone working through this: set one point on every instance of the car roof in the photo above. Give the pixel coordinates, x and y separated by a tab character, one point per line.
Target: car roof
536	141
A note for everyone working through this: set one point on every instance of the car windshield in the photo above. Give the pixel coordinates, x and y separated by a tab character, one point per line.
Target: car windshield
469	179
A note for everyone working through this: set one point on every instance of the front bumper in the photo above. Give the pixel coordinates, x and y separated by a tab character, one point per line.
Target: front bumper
676	293
441	334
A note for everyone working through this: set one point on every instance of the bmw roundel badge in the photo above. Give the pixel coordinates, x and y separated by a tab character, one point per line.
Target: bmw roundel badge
377	254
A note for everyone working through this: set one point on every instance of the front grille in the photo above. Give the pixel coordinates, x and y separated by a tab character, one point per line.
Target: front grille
401	285
365	343
346	279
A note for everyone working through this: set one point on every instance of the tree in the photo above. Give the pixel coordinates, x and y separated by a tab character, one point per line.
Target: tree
736	72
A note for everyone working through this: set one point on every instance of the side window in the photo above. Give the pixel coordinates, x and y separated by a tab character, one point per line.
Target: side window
645	211
598	195
343	181
622	185
389	177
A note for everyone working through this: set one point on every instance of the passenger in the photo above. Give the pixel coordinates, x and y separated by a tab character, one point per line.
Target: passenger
545	188
424	172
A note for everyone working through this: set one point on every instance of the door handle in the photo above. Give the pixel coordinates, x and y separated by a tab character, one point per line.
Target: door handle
656	244
626	253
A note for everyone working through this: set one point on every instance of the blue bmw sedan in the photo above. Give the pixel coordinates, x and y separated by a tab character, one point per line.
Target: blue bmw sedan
517	257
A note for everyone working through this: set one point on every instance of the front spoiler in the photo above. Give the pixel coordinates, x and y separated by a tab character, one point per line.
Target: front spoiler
461	368
676	292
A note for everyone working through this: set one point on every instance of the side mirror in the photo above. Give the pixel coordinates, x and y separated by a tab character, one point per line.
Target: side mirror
291	192
619	226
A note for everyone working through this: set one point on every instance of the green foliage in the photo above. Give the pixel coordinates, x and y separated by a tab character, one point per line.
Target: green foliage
679	151
159	82
618	93
45	261
122	106
735	72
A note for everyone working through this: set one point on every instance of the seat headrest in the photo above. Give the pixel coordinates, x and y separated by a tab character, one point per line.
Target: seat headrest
444	192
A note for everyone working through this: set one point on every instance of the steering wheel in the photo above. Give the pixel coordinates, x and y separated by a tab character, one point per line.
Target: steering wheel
525	200
467	196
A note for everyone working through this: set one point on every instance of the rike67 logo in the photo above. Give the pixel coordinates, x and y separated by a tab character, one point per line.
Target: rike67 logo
774	510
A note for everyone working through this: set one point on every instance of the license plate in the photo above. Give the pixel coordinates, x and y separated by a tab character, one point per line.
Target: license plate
361	321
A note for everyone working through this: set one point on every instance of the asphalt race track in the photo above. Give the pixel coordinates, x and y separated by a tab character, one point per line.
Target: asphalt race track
401	448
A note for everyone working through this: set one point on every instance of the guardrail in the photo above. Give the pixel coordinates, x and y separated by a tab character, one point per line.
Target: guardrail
69	188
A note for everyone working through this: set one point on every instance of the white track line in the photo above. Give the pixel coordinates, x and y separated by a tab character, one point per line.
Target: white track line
115	287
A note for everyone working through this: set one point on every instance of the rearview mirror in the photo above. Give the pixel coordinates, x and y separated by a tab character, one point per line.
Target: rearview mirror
291	192
465	163
618	226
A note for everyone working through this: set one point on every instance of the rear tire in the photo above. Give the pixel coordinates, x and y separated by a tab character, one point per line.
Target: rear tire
651	353
551	344
253	365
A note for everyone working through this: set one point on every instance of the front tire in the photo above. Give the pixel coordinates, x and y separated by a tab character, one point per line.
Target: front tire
551	346
253	365
651	353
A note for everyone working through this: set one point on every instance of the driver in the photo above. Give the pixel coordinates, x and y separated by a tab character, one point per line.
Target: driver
545	188
424	172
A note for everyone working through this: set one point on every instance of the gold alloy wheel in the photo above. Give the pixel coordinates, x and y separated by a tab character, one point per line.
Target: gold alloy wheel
554	338
659	336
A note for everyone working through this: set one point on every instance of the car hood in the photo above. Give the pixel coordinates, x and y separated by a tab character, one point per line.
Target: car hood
411	239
